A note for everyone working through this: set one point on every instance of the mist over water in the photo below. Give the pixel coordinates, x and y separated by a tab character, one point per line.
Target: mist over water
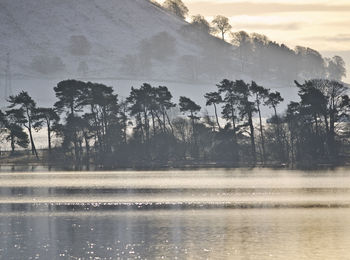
192	214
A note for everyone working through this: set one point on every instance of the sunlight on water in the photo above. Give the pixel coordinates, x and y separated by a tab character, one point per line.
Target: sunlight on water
203	214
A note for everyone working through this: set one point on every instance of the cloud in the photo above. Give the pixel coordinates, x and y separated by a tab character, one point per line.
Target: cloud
344	23
249	8
335	38
267	26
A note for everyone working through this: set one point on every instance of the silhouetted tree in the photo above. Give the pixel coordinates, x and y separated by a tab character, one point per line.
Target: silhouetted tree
50	118
176	7
336	68
198	22
324	99
311	63
162	45
273	100
260	95
164	103
96	127
13	120
27	106
230	102
188	106
246	110
214	98
244	45
69	94
221	25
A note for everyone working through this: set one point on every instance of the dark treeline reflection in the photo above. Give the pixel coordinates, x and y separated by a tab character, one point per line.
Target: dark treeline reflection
170	235
150	129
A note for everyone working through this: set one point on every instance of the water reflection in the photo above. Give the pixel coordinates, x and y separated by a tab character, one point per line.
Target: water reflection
207	214
228	234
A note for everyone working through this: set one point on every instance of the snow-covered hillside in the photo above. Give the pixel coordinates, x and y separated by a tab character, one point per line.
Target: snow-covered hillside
54	38
121	43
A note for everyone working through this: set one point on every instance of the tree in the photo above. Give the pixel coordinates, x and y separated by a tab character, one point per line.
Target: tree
246	109
200	23
221	25
273	100
68	93
230	101
294	120
336	68
142	104
311	62
188	106
261	94
27	106
176	7
162	46
103	116
12	120
73	132
259	45
50	118
328	100
163	98
244	45
214	98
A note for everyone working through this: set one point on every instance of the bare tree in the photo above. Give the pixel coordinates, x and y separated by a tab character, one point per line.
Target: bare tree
221	25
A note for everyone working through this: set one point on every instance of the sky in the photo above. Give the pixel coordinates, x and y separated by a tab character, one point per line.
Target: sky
323	25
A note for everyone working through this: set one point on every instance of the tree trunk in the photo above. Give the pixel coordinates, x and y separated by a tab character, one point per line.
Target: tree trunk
252	137
87	147
262	136
233	122
216	116
12	144
146	125
169	122
279	139
332	134
34	152
49	136
153	123
164	121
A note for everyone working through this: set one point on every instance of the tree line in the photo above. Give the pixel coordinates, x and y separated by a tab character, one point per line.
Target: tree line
236	53
148	128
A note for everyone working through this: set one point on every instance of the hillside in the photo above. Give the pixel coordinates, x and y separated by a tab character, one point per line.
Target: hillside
126	42
53	39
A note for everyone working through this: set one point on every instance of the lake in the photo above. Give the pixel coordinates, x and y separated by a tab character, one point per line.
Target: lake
175	214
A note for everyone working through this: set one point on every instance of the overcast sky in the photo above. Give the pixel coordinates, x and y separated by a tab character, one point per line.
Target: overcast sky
320	24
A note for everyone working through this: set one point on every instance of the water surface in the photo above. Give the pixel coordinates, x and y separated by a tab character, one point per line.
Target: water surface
199	214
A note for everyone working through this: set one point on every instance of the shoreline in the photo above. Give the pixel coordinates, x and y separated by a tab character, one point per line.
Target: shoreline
41	167
24	161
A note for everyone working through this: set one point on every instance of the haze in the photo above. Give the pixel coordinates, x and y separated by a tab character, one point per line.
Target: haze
322	25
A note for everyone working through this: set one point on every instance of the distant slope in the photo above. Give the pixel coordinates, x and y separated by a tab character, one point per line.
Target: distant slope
44	36
126	40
